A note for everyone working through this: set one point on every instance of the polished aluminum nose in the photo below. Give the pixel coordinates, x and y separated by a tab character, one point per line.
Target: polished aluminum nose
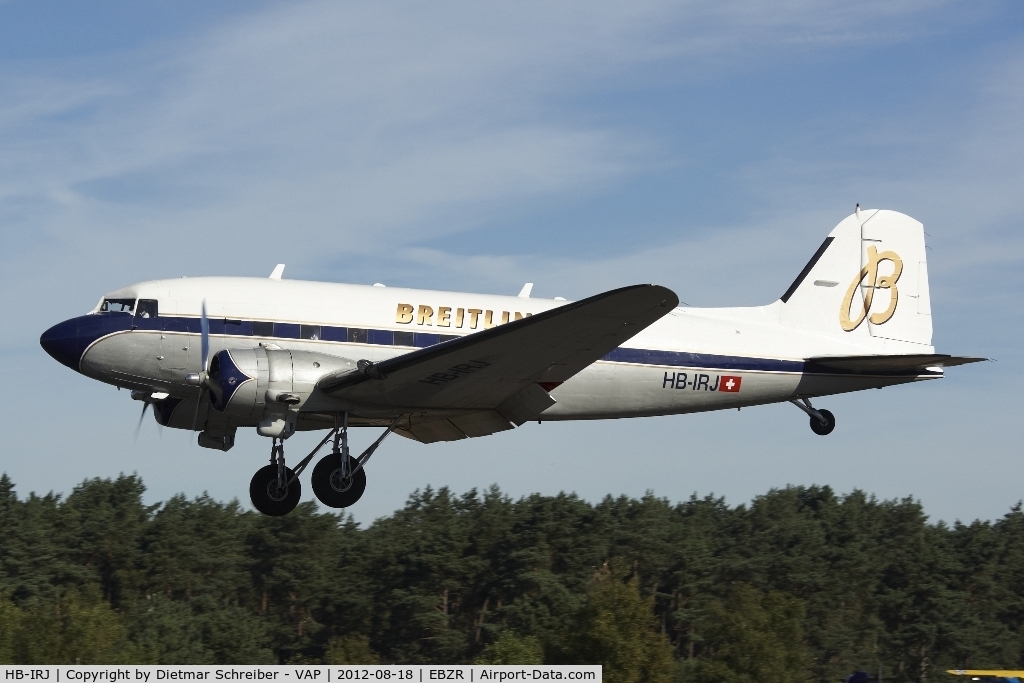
61	341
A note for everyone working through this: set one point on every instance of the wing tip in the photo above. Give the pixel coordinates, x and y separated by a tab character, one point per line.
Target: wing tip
671	298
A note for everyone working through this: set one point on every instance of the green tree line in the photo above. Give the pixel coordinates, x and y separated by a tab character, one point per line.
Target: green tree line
802	584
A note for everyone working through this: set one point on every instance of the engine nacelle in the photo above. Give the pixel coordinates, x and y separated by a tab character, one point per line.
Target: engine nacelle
218	432
268	386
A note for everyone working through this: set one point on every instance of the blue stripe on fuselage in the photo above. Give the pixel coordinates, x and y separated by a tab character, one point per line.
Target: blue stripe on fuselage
685	359
67	341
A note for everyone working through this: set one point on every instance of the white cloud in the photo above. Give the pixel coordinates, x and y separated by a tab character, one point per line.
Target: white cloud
381	113
356	126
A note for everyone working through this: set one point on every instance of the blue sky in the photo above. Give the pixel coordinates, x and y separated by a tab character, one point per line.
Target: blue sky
578	145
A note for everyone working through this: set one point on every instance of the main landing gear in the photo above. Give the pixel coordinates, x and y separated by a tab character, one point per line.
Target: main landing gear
275	489
338	479
822	421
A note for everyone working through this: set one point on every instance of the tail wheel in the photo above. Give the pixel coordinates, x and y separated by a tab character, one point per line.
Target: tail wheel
331	489
269	497
823	428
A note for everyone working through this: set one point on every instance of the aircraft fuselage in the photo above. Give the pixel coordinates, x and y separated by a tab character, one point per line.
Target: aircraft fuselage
691	360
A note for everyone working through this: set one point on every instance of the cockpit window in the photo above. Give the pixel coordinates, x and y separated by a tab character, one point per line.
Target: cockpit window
117	305
147	308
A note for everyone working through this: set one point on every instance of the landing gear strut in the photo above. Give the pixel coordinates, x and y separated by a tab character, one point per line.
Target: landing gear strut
274	489
822	421
339	479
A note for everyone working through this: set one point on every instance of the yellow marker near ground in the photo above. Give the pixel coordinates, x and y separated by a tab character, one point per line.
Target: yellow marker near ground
987	673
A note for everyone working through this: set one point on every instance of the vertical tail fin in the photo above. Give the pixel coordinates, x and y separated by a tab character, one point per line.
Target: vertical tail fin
869	278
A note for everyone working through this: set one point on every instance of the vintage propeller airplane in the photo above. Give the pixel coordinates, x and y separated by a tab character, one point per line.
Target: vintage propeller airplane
212	354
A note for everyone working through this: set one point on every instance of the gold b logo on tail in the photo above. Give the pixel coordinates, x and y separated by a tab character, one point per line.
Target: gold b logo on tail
874	281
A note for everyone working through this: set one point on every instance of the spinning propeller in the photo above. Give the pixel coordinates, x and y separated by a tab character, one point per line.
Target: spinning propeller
148	398
201	379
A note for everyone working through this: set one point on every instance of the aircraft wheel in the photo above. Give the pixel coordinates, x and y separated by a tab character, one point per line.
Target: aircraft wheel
822	429
268	497
331	489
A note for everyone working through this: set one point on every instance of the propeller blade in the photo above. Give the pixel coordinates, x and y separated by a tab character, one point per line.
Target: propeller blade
141	417
204	328
199	403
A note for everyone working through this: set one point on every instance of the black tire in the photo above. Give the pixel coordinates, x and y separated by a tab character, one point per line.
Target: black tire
330	489
265	496
823	429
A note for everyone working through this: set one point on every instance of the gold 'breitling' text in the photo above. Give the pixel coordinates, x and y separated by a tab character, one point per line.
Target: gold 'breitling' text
451	316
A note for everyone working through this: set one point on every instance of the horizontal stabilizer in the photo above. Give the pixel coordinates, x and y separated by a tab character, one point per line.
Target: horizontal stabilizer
898	364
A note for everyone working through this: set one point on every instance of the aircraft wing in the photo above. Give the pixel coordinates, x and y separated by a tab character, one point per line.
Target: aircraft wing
492	379
886	364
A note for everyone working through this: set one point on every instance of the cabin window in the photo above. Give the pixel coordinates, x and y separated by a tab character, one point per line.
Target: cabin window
237	327
403	338
334	334
262	329
147	308
286	330
309	332
424	339
356	335
117	305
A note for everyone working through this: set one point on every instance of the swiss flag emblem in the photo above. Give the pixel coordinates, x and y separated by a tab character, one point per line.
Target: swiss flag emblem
729	383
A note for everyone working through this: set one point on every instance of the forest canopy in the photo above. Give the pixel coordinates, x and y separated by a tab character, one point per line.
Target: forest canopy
800	584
